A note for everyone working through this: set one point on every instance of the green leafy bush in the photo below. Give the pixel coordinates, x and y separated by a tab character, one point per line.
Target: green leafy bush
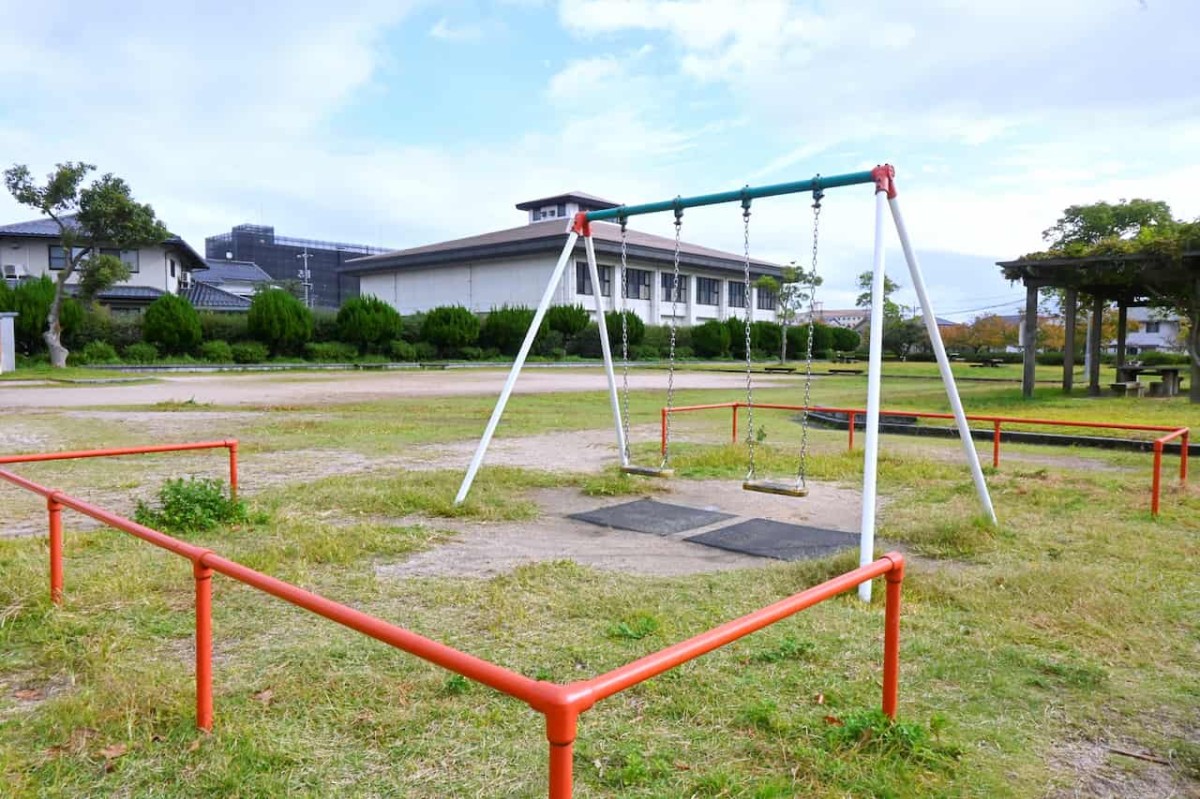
216	352
95	325
95	352
401	350
330	351
798	340
549	343
425	351
325	326
191	505
369	323
1156	358
280	321
644	352
570	320
470	353
505	328
766	336
224	326
449	328
587	343
413	324
844	339
172	324
711	339
141	352
31	299
636	329
250	352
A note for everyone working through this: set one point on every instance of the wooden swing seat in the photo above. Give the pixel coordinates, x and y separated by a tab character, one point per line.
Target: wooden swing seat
648	471
770	487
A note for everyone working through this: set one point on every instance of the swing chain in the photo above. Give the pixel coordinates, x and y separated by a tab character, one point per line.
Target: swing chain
818	195
666	457
750	474
624	342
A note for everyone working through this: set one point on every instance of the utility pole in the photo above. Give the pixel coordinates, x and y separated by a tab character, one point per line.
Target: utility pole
306	277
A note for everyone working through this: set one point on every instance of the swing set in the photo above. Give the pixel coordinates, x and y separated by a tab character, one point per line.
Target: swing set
883	179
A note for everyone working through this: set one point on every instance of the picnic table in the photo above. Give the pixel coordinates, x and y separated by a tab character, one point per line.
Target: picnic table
984	362
843	357
1170	375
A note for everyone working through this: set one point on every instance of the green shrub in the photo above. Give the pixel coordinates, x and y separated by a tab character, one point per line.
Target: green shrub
844	339
330	352
171	324
216	352
549	342
325	326
636	329
191	505
31	299
711	339
280	321
570	320
97	352
95	324
505	328
644	352
470	353
224	326
1049	358
1156	358
141	352
425	351
766	336
249	352
798	340
450	328
401	350
369	323
413	325
587	343
737	336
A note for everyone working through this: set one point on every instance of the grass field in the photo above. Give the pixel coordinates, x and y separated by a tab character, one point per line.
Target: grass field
1029	651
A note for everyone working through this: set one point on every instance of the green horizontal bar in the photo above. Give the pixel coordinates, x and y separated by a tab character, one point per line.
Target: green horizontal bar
750	192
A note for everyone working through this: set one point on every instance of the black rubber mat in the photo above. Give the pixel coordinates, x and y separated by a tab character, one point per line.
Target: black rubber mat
649	516
770	539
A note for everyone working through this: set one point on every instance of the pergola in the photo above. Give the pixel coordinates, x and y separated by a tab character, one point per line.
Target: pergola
1130	280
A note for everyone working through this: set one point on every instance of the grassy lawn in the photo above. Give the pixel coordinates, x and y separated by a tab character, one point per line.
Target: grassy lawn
1074	621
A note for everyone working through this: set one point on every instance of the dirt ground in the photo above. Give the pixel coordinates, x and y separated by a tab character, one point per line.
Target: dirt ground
270	388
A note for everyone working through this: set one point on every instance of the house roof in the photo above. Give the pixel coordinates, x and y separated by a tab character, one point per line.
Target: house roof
221	270
48	229
550	236
205	297
583	198
147	293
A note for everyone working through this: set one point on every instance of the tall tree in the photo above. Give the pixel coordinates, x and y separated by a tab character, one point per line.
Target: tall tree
890	287
88	217
794	290
1082	225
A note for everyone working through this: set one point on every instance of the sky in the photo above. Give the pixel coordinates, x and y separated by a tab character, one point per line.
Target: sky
399	123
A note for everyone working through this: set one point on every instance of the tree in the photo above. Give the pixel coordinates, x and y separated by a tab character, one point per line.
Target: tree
890	287
171	323
449	328
1083	225
793	290
280	321
88	217
369	323
991	332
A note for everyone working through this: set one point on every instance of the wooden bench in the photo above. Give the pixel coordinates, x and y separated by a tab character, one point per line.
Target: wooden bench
788	369
1126	387
987	362
833	371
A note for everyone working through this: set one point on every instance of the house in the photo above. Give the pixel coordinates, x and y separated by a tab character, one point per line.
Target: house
849	318
511	267
242	278
29	250
1156	331
207	297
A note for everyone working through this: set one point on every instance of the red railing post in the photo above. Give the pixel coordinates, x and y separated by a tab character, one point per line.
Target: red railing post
734	405
853	417
1183	456
204	698
996	444
561	727
1156	483
891	636
54	507
233	470
662	432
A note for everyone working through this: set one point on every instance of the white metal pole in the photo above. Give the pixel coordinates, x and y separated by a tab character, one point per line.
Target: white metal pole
939	350
590	248
866	547
498	411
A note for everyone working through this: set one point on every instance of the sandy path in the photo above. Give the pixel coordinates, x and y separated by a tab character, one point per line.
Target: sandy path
341	387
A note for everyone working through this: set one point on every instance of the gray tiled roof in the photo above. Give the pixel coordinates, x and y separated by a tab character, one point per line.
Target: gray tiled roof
583	198
123	292
210	298
550	236
48	229
221	270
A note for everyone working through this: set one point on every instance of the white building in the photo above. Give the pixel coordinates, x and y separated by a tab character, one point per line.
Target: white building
511	267
1157	331
29	250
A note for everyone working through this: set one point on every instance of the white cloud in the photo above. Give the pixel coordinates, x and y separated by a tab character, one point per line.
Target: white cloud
447	32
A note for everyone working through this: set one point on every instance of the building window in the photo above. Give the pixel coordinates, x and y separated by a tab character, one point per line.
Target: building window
127	257
668	280
172	267
737	295
58	255
766	299
583	280
1152	327
637	284
708	291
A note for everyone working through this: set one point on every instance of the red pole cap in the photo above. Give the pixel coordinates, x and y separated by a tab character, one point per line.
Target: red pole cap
885	179
581	225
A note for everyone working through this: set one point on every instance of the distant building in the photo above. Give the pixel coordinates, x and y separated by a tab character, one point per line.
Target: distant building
283	258
1157	331
849	318
242	278
511	267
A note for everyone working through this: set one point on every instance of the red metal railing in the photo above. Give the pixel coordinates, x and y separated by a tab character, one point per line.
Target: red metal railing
853	414
560	704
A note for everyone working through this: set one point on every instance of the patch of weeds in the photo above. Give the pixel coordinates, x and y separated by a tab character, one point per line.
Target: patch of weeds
456	684
191	505
1072	674
790	648
634	627
1186	755
630	767
180	405
871	731
763	715
616	484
